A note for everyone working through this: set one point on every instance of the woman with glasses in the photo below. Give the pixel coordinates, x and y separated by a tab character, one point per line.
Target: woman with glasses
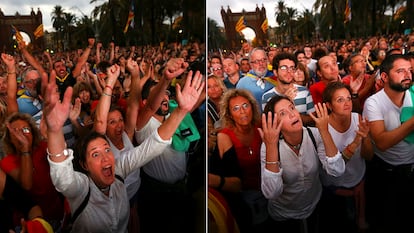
350	134
291	159
27	164
234	167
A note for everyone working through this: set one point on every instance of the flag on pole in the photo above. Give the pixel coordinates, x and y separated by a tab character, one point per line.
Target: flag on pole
241	24
39	31
131	16
348	12
264	26
17	34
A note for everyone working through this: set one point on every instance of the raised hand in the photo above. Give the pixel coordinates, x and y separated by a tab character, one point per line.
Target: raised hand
270	130
322	117
132	66
363	127
8	60
193	87
113	74
174	68
75	110
55	111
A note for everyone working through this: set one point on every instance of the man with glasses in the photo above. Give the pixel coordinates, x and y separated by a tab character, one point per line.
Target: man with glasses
29	102
362	84
259	79
284	68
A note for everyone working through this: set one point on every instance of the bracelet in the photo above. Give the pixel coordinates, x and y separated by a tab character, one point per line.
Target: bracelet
346	158
64	152
354	96
25	153
109	87
348	151
273	163
222	181
103	93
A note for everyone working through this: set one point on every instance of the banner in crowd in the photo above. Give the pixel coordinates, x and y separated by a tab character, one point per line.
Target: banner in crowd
241	24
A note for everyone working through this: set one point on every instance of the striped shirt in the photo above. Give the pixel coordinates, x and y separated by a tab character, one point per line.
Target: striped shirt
303	100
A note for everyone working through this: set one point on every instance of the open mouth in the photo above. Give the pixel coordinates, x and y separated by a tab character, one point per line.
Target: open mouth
295	122
107	171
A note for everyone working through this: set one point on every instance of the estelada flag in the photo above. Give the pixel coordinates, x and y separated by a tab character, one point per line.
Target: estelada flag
241	24
348	11
39	31
17	34
131	16
264	26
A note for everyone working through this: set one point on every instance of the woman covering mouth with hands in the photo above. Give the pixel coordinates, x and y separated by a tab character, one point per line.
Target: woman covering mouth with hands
290	161
108	208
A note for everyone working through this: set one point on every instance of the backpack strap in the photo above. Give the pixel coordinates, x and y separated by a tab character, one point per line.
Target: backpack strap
81	207
211	108
119	178
312	138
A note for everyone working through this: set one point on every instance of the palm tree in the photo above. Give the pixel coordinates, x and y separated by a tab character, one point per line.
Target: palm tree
110	21
281	17
306	25
69	22
215	37
291	15
58	22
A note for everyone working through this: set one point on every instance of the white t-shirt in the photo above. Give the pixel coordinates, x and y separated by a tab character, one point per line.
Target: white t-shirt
170	166
379	107
355	167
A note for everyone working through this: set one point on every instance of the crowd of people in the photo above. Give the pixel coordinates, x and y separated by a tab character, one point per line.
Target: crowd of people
103	139
313	137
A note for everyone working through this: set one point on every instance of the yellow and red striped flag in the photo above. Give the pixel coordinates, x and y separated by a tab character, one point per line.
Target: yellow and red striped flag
39	31
264	26
17	34
131	16
241	24
348	12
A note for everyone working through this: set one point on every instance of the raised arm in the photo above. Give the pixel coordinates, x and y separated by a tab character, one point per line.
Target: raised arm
321	120
174	68
186	99
270	136
82	59
56	112
30	59
11	83
104	104
134	99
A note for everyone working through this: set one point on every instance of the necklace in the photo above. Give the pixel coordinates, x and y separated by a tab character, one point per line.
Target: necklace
296	147
105	190
250	151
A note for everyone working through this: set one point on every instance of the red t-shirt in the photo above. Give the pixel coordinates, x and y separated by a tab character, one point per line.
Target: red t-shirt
43	191
248	158
316	91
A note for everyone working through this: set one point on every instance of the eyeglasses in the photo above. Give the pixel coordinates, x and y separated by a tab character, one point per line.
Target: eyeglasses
237	108
32	81
258	61
218	68
25	130
342	100
287	68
